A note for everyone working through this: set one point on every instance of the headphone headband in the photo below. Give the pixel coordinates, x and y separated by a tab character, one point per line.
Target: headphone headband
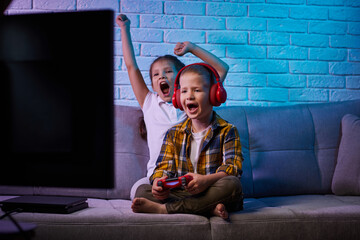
207	66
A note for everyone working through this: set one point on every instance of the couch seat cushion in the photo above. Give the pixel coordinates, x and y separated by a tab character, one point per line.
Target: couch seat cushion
114	219
292	217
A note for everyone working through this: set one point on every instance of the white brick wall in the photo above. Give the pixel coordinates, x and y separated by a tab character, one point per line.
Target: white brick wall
279	51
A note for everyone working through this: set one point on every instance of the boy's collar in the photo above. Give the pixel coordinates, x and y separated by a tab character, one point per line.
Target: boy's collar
216	122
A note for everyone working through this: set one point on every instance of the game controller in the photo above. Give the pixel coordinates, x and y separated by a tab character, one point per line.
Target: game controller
175	182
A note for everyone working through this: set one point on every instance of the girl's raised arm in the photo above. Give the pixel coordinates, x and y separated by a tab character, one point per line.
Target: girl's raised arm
221	67
136	79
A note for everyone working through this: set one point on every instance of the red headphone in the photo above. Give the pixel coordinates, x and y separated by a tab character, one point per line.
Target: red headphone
217	91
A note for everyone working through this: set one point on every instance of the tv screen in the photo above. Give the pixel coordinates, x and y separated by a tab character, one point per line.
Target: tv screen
56	73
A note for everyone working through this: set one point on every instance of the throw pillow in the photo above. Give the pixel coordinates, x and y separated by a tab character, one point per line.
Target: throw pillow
346	179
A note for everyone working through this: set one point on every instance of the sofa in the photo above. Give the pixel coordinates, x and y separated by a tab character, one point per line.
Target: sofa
301	177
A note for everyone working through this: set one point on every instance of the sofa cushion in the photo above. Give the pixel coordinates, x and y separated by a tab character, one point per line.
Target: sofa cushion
114	219
278	150
346	179
292	217
289	150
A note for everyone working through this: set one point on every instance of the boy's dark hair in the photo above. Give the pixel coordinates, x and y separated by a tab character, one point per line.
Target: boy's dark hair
201	70
178	65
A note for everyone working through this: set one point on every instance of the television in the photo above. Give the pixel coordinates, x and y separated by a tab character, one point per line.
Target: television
56	74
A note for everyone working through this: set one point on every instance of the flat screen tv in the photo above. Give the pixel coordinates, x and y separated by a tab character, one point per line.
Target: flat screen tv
56	74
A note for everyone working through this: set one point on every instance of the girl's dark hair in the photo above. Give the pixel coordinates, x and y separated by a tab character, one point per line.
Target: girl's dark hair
178	65
142	128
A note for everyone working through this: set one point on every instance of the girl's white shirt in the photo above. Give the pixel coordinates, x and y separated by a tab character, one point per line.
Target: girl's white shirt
159	116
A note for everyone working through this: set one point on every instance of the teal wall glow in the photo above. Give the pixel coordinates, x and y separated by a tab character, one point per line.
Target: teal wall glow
279	51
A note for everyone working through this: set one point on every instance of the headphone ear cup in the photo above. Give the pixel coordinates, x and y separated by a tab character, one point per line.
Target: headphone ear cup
213	93
221	94
218	94
178	92
176	100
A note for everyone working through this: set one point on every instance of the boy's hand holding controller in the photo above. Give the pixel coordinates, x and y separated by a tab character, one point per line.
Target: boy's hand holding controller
161	186
174	182
198	184
158	191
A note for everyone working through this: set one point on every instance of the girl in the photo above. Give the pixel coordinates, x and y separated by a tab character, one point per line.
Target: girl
159	114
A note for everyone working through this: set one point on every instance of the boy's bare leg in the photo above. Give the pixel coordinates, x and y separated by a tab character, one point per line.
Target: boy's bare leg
143	205
220	211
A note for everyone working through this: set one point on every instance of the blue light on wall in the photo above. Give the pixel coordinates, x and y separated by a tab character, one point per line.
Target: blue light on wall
279	51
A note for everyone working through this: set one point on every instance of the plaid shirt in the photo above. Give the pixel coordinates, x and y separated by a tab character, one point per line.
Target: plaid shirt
221	151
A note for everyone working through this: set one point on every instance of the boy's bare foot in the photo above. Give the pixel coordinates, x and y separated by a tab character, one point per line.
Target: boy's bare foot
143	205
220	211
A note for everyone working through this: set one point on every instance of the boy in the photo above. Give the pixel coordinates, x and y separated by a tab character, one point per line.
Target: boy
205	147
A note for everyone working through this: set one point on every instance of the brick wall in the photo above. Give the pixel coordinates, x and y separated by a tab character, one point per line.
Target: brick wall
279	51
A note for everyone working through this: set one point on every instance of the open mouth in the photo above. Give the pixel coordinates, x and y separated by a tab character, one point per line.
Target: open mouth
165	88
192	107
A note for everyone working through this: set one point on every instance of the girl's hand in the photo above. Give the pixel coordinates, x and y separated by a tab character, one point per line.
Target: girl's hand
198	184
123	21
159	192
182	48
